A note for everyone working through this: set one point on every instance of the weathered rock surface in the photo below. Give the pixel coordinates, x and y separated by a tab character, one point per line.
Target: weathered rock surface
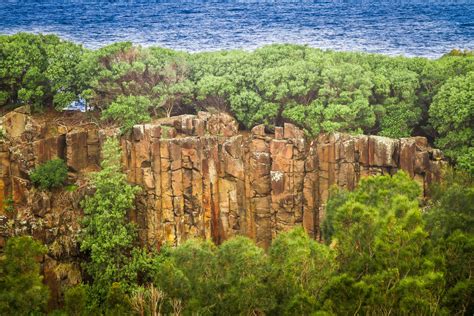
219	183
200	176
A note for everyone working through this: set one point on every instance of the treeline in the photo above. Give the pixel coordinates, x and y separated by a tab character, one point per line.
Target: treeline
383	255
320	91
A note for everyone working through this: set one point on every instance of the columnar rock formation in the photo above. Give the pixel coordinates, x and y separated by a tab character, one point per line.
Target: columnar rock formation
200	176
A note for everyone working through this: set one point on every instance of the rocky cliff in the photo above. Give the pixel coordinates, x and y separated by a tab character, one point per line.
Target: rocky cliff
201	177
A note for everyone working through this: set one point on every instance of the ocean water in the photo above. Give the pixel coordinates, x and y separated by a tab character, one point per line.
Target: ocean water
398	27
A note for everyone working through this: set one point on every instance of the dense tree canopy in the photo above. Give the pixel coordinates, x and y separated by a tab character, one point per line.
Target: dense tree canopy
40	70
321	91
382	250
452	115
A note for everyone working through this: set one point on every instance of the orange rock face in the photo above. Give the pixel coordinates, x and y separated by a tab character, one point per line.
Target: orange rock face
200	177
208	181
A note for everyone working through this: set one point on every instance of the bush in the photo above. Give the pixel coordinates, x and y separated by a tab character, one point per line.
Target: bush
128	111
381	246
117	302
22	291
75	300
51	174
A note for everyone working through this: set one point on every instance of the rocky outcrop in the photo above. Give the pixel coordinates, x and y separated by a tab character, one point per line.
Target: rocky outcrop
200	176
211	181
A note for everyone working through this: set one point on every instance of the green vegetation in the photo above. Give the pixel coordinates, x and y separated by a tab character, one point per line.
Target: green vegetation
385	250
128	111
107	236
21	289
382	250
39	70
450	221
382	255
320	91
452	115
75	300
49	175
9	204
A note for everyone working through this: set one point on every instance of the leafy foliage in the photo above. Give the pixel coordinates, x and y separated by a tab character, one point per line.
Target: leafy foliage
21	289
117	302
382	254
380	257
320	91
75	300
49	175
128	111
452	115
41	70
209	280
107	236
301	270
243	274
381	245
450	220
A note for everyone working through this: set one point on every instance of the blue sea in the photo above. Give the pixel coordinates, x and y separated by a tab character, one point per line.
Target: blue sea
398	27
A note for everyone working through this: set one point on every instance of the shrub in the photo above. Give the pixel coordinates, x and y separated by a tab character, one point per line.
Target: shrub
75	300
381	246
51	174
117	302
22	291
128	111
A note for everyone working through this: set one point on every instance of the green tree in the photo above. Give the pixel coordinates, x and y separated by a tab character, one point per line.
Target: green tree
107	236
75	300
23	63
450	207
189	273
175	88
122	69
458	266
21	289
243	278
383	252
198	261
64	73
117	302
128	111
452	115
49	175
40	70
450	221
301	269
